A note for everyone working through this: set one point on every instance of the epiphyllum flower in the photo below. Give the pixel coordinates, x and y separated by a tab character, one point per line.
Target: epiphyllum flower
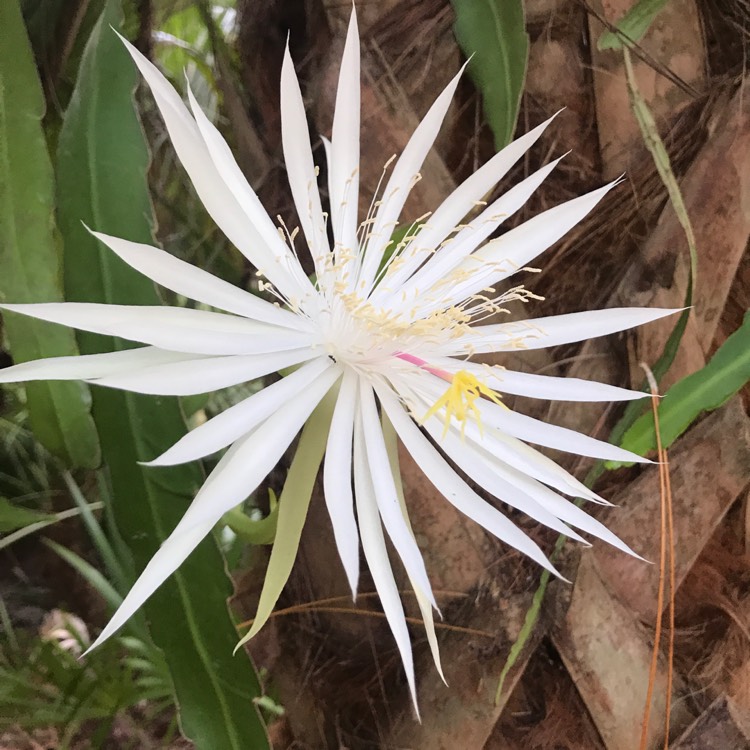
396	327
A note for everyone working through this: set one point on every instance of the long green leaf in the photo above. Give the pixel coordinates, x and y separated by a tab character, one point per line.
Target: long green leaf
493	34
707	389
32	528
14	516
633	25
29	254
102	163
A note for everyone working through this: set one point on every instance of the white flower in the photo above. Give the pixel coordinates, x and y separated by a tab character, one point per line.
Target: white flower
394	328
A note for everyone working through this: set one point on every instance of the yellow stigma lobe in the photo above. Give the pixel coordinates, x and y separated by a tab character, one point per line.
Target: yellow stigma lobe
458	401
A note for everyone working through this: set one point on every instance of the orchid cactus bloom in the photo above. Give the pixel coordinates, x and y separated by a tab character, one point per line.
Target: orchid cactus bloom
390	331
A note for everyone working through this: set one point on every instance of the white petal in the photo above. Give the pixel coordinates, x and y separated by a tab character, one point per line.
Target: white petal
541	333
337	482
463	199
167	559
516	453
90	366
190	377
300	168
343	164
178	329
536	431
233	423
234	179
376	554
259	453
508	449
554	503
453	488
539	386
551	436
399	185
385	492
468	459
520	246
237	475
425	608
216	196
428	287
196	284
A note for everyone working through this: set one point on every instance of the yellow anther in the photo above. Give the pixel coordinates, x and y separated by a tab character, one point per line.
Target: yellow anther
458	401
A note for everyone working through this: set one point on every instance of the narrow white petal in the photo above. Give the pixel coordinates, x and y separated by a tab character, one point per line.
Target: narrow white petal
551	436
167	559
300	168
539	386
405	172
462	200
507	448
554	503
541	333
536	431
90	366
376	554
337	479
529	460
194	376
196	284
343	164
234	179
233	423
259	452
468	459
385	492
238	474
218	199
179	329
430	286
453	488
520	246
425	608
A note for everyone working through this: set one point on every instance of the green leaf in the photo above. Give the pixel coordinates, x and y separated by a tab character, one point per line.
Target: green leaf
632	26
14	517
42	523
29	254
102	164
292	509
493	34
707	389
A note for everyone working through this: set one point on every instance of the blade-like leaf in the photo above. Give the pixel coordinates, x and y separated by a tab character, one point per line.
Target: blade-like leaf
707	389
16	516
29	255
493	33
102	163
633	25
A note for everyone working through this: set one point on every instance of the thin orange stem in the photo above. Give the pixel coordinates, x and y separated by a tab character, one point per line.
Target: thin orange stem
373	613
672	576
318	604
662	567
